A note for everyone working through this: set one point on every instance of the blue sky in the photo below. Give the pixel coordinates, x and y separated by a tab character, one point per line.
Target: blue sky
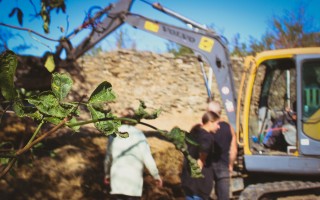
229	17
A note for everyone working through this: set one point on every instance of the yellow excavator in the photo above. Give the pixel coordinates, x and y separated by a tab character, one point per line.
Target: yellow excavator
276	113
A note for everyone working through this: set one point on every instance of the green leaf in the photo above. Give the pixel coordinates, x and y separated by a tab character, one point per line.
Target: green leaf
74	128
123	134
108	126
38	145
8	65
71	108
141	113
13	11
177	137
48	104
61	85
19	14
49	64
194	168
56	3
56	121
26	111
53	120
45	17
18	108
102	94
190	141
4	161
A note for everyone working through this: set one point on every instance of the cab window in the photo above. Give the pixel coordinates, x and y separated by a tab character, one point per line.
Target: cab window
311	98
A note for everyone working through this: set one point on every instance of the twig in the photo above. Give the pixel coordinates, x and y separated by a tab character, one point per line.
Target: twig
36	39
40	138
9	166
29	30
36	132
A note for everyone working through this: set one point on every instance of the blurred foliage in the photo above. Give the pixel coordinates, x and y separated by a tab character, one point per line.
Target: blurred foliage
47	6
124	40
178	138
94	51
178	50
6	36
19	13
292	29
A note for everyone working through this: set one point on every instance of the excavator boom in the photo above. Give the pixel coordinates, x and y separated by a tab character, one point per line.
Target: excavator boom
207	45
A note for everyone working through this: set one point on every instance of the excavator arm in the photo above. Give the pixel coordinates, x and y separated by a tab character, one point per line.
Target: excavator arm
209	48
207	45
114	18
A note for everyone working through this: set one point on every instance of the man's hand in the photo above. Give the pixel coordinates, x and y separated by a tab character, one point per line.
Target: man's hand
230	168
200	163
106	181
159	182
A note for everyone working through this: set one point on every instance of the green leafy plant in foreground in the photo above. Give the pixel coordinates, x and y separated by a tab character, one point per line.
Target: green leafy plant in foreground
51	107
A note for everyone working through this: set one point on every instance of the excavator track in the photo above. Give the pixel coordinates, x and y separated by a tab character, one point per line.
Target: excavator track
273	190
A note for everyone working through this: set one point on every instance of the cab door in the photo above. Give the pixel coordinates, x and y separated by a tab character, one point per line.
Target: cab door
308	103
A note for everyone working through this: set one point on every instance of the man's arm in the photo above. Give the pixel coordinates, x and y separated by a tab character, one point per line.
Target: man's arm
202	159
206	146
150	163
233	150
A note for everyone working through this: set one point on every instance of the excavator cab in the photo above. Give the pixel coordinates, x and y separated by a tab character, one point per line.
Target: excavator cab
281	120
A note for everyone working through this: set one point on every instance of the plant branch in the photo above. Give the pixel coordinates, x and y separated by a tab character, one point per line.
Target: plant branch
36	132
40	138
9	166
29	30
149	125
102	119
31	144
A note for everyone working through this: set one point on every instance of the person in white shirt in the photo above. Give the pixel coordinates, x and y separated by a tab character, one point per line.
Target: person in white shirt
125	161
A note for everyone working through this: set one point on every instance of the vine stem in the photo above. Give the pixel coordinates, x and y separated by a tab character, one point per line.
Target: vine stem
102	119
36	132
162	132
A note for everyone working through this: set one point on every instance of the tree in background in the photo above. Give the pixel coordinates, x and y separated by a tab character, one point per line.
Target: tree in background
94	51
123	39
239	49
292	29
177	50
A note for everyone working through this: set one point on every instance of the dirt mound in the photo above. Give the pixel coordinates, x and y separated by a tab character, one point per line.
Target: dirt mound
70	166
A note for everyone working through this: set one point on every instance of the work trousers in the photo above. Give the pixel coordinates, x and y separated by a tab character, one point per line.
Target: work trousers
221	177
